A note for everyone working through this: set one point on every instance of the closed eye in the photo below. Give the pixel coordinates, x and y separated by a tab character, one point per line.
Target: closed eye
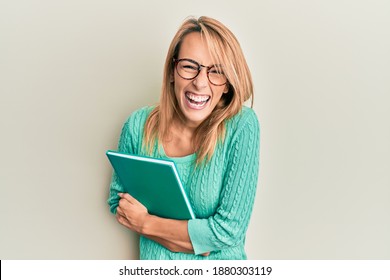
216	70
190	67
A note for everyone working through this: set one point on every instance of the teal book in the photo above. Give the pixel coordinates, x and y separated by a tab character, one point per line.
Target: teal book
153	182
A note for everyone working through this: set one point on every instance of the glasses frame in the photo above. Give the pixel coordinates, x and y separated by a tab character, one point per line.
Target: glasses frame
200	66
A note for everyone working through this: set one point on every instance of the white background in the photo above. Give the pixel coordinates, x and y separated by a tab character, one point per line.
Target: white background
72	71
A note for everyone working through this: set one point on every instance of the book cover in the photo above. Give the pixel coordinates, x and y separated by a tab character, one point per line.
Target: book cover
153	182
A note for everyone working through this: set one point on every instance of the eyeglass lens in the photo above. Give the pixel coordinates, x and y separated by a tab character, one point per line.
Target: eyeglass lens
188	69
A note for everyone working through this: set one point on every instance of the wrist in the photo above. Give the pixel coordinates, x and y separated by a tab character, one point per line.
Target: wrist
147	225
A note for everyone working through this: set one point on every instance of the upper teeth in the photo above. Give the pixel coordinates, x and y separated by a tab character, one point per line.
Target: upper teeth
197	98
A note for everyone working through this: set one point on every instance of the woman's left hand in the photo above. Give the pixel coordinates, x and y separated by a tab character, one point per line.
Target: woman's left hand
131	213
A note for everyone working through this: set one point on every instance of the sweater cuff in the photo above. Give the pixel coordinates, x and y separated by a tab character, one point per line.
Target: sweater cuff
197	230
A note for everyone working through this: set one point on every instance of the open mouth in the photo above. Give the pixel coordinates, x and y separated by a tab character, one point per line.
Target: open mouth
196	101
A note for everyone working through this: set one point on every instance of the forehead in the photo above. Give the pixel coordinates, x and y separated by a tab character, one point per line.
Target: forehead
195	47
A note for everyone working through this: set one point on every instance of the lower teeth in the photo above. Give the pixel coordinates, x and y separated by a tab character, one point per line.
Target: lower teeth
197	103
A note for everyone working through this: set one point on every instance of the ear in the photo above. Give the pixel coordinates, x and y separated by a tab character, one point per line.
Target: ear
172	79
226	89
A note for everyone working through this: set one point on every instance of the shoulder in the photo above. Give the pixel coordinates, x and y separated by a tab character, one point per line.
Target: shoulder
136	120
242	136
132	130
245	118
139	115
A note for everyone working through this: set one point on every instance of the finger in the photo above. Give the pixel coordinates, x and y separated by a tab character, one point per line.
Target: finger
123	203
118	217
121	218
128	197
123	196
119	211
120	214
123	221
128	202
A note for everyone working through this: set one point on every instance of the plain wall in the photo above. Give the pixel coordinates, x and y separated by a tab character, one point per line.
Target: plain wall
72	71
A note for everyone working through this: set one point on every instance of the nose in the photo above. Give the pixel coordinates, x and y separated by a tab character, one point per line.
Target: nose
201	81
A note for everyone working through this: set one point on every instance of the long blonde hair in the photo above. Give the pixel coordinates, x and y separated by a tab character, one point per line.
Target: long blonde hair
225	50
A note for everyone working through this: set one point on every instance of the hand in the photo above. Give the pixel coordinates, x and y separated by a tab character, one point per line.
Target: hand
131	213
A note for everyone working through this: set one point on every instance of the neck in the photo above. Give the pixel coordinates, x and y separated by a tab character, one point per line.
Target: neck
184	128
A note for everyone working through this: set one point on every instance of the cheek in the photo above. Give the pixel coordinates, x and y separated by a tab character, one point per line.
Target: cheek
176	85
217	99
180	84
218	93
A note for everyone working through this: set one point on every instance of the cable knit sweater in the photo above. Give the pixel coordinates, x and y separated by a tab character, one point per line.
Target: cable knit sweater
221	193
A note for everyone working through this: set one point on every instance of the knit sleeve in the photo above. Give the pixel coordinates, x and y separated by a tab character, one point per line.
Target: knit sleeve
129	142
228	226
124	146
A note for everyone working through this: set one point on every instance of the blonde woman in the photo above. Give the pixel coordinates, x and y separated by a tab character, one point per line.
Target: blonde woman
201	123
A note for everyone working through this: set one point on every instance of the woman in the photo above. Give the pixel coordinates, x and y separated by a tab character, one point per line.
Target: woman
202	124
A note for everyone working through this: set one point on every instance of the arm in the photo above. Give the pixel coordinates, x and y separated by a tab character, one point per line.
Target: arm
172	234
153	227
128	143
228	226
224	229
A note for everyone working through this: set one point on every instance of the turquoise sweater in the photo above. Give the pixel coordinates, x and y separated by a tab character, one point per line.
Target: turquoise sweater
221	193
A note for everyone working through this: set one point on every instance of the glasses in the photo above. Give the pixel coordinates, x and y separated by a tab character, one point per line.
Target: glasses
189	69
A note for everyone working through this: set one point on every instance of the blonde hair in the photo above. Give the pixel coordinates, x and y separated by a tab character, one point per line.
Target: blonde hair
225	50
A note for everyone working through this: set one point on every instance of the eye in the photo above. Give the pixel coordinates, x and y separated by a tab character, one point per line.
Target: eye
216	70
188	66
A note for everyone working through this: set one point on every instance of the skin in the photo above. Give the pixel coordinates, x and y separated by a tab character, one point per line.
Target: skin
194	48
182	131
173	234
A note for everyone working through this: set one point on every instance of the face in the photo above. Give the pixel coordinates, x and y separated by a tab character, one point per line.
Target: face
197	98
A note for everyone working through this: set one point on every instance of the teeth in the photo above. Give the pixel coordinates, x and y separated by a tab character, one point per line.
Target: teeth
197	98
